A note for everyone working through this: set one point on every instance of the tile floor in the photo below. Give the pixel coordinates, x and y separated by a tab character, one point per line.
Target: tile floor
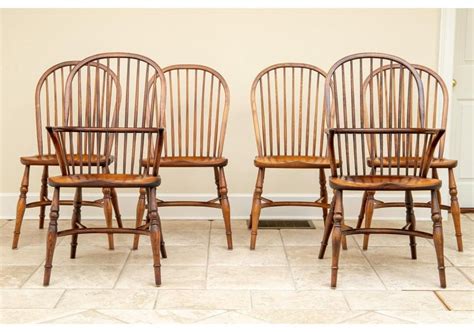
281	282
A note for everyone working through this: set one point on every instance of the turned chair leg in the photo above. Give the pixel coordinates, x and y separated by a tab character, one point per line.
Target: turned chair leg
115	205
336	237
108	215
139	217
323	192
256	207
369	212
155	236
52	237
43	196
76	219
363	205
438	237
328	225
455	209
224	200
411	221
21	206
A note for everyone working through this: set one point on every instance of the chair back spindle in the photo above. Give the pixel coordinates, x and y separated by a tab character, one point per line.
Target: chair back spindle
287	110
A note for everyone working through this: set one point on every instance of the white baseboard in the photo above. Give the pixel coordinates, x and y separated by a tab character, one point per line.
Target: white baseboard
240	207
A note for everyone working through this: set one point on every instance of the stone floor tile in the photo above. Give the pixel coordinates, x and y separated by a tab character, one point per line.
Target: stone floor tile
28	255
458	300
316	300
12	276
308	256
301	316
433	317
245	277
231	317
185	237
393	300
401	256
86	317
29	298
203	299
30	316
87	254
374	318
241	237
177	256
136	276
77	276
161	316
108	299
243	256
349	277
420	277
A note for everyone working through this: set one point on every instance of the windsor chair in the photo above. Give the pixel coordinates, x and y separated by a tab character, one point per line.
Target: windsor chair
195	120
436	116
118	128
49	111
359	131
289	121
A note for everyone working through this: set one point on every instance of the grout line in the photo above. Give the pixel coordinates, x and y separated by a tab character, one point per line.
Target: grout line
442	301
287	260
60	317
59	299
122	269
211	223
156	299
108	316
371	265
398	318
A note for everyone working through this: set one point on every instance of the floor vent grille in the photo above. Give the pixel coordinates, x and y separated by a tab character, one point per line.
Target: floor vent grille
284	223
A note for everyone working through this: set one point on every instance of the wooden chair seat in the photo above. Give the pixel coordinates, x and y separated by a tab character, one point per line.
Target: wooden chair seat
51	160
383	182
191	162
436	163
291	162
105	181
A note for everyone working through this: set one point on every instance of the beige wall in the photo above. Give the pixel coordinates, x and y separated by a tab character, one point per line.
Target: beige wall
238	43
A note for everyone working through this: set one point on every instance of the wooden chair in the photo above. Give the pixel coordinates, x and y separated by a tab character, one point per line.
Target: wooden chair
195	120
352	142
49	111
436	116
116	129
288	120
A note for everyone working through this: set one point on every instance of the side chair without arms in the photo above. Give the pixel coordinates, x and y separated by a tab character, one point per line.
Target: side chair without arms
289	122
195	120
436	116
352	140
49	111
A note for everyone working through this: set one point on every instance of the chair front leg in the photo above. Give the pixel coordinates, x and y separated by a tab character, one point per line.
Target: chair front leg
43	196
336	237
155	234
115	206
328	225
76	219
108	214
455	209
323	191
52	237
438	237
369	212
224	200
21	206
363	205
139	217
256	207
411	221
